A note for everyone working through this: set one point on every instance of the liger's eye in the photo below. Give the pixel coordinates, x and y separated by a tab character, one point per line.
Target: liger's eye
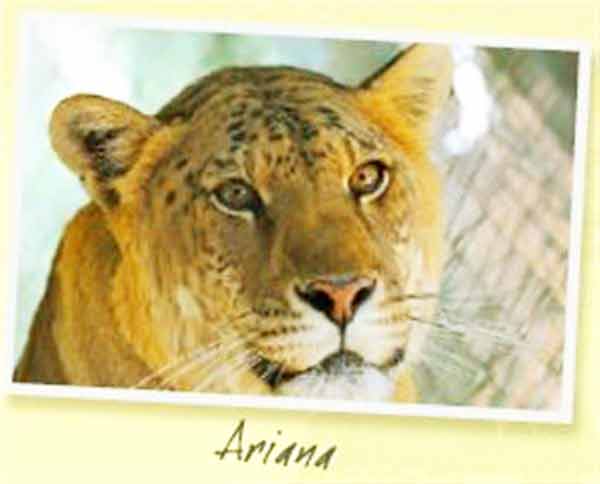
369	180
238	196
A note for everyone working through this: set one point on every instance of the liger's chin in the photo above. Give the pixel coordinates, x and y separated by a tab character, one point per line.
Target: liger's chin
366	384
341	378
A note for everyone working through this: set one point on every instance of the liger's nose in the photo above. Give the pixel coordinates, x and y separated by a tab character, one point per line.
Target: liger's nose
338	298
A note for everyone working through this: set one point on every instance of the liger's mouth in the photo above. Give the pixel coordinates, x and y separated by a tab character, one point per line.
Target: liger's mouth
274	373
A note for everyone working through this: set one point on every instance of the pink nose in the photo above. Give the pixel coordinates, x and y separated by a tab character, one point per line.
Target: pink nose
338	298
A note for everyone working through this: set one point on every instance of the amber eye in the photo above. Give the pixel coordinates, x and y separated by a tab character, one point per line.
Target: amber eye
369	180
237	196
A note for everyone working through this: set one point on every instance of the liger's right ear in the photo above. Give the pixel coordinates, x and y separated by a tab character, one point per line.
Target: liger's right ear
100	140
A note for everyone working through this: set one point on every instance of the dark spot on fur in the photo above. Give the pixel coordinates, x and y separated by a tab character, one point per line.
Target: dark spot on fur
331	116
290	111
236	75
235	126
221	163
309	131
268	333
303	99
273	77
239	110
290	125
325	110
269	120
181	164
272	93
369	145
190	180
112	197
170	198
238	137
275	137
306	156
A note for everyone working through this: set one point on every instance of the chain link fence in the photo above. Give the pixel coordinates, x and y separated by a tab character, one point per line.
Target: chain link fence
501	322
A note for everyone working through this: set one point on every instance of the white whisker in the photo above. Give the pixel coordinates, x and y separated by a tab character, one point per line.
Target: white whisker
224	369
212	357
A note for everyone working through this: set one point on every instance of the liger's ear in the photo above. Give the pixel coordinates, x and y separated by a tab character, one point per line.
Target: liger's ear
100	140
410	89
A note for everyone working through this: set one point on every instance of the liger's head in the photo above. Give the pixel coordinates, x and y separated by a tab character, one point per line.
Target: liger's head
282	225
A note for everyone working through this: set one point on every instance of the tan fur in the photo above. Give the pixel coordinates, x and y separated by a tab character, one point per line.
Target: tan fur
158	284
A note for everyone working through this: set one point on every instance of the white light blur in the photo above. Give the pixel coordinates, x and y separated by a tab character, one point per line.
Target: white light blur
474	100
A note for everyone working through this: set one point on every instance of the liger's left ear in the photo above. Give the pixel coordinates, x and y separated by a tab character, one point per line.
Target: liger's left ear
409	90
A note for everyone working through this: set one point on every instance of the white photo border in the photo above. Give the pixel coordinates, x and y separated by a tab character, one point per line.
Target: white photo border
563	415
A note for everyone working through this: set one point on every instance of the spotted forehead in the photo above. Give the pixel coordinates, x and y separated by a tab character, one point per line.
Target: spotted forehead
244	118
232	84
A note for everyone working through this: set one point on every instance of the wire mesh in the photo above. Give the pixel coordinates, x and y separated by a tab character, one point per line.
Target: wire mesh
500	322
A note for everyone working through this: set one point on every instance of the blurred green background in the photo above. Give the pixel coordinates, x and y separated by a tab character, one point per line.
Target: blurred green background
504	147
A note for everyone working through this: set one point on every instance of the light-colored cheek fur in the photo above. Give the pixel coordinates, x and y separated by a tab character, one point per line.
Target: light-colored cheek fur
319	338
373	334
188	304
349	384
422	281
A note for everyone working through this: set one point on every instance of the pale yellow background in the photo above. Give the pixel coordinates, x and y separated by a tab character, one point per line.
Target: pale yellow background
54	441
